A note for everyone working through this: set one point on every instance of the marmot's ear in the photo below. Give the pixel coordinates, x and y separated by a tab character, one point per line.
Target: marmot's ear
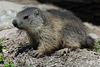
36	12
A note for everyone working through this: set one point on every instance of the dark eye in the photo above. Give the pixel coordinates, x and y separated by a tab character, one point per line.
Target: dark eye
25	17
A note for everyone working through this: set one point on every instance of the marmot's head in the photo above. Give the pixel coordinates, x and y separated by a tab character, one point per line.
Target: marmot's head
29	18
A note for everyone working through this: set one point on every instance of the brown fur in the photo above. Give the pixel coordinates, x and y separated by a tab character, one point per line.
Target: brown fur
59	29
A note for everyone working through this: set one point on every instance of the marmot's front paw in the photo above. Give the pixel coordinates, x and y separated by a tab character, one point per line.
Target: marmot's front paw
38	53
62	52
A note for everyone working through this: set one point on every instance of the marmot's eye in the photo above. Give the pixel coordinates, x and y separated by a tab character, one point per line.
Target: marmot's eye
25	17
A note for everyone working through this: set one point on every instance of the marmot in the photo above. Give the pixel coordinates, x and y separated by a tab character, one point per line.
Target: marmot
52	30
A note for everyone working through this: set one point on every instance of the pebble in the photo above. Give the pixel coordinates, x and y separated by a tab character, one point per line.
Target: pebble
94	36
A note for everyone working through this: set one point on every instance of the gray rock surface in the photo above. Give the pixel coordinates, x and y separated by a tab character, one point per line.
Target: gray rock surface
8	11
92	29
94	36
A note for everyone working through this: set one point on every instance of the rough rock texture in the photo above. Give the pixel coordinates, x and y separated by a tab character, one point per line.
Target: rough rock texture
92	28
8	11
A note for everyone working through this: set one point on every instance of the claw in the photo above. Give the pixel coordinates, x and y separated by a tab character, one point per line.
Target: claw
37	54
62	52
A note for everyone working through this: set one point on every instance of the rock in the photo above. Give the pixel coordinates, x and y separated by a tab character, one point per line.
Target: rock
6	19
94	36
83	58
13	36
92	28
8	11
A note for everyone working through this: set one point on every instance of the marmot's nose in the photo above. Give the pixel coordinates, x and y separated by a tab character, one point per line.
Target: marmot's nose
15	23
